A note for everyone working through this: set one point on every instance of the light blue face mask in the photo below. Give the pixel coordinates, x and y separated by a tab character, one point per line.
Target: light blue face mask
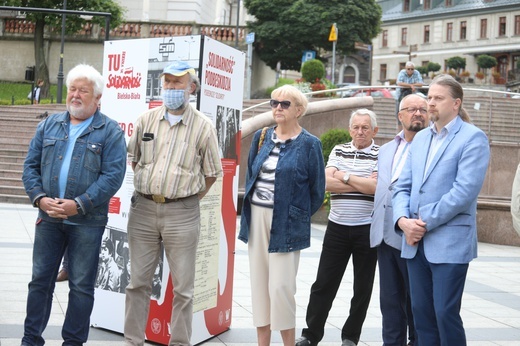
174	99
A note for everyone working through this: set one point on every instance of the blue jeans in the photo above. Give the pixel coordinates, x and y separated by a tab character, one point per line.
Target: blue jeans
50	242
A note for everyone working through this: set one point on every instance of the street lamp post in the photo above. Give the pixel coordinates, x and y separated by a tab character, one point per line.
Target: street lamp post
60	70
238	24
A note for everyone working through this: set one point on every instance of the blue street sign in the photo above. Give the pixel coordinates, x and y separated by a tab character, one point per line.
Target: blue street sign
250	38
308	55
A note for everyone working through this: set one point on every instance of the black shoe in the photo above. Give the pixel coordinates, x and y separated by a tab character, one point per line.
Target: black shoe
303	341
347	342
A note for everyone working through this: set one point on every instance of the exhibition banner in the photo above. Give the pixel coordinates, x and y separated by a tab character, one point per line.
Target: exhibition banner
132	69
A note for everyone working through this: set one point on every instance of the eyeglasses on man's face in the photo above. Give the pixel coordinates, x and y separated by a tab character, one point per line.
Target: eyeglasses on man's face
413	110
410	68
284	104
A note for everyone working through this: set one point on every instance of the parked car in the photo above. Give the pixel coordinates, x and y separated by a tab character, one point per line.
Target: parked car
346	92
374	93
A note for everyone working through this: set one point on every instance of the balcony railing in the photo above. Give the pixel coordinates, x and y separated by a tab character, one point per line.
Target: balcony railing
224	33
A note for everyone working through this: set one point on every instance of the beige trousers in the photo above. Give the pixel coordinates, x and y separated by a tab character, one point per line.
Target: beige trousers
273	276
177	226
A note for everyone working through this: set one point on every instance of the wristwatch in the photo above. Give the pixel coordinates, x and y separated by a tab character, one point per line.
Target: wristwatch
37	202
346	177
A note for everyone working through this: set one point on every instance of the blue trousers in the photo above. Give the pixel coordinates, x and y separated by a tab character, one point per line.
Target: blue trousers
50	242
394	297
436	293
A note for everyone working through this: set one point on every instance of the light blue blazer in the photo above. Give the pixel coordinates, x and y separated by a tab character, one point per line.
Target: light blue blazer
445	197
382	226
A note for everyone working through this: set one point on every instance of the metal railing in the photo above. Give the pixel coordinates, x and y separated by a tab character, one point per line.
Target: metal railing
496	112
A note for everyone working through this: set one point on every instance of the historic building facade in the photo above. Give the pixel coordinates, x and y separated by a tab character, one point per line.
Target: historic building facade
426	31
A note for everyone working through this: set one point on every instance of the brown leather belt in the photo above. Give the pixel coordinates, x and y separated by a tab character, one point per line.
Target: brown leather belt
161	199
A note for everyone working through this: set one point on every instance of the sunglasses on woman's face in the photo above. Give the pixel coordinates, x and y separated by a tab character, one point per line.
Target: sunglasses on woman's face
284	104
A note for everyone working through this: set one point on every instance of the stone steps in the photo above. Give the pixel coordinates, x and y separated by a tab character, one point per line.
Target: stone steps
18	124
17	127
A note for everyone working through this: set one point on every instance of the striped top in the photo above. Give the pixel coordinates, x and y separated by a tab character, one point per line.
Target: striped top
353	208
263	195
173	161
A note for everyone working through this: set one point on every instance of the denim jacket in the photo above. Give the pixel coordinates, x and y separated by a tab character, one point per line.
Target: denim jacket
298	193
97	166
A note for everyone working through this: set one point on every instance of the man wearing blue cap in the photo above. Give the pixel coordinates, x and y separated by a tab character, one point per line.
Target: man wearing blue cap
175	158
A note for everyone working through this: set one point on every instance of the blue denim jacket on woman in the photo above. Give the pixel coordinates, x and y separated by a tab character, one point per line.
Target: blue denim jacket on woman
97	167
299	189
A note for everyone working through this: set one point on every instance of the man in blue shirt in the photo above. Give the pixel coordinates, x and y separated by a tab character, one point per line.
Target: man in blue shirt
408	79
76	162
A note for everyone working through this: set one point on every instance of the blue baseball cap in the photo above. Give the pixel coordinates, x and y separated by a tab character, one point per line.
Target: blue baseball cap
178	68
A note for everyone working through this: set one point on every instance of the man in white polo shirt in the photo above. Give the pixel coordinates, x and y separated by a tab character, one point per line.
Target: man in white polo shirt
351	179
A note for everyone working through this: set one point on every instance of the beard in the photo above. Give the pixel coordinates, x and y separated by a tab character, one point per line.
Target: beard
416	127
81	112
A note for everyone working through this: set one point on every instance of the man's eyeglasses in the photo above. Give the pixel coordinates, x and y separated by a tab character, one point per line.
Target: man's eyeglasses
410	69
284	104
412	110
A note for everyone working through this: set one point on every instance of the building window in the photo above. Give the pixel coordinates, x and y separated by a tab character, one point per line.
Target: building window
406	6
449	32
426	34
463	26
517	25
382	72
502	26
426	4
402	66
449	3
404	36
385	38
483	28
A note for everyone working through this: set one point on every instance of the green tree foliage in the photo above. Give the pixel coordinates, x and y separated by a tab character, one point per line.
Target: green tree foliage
331	138
433	67
73	25
486	61
285	28
457	63
313	70
422	69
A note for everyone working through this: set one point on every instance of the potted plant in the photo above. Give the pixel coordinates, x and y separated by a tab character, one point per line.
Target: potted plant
463	75
496	77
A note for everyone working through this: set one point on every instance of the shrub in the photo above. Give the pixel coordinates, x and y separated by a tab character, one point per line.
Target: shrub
313	70
457	63
328	140
22	102
479	75
281	81
423	70
486	61
331	138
